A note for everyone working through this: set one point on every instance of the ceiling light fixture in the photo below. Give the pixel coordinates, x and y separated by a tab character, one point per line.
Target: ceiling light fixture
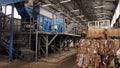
102	14
80	16
76	10
65	1
100	6
77	21
66	17
71	21
59	12
100	18
45	5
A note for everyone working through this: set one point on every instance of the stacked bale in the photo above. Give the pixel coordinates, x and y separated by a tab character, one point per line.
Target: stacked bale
101	33
113	32
95	33
96	53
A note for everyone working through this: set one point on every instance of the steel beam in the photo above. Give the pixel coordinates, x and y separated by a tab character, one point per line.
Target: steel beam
61	44
39	45
44	37
46	46
0	28
52	39
36	51
43	51
0	23
43	40
11	34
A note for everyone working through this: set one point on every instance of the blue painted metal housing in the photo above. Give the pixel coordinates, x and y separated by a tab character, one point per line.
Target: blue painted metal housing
44	23
54	24
11	34
47	22
64	27
24	12
5	2
60	24
49	25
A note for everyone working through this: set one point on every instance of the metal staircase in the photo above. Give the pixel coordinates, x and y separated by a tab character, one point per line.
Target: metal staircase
28	16
5	44
24	12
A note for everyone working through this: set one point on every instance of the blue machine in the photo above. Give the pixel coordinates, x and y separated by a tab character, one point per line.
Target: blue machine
24	12
54	26
61	25
47	23
50	25
44	23
64	27
58	25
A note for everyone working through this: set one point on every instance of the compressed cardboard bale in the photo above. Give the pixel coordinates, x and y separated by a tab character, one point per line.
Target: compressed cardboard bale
109	32
95	33
83	46
87	43
116	32
113	32
89	33
110	42
116	44
91	48
119	32
97	60
102	46
80	60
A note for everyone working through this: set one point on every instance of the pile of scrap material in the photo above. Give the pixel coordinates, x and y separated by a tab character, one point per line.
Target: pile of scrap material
102	33
96	53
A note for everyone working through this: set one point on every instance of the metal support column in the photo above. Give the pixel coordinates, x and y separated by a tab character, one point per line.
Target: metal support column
39	46
74	43
11	35
61	44
46	46
0	29
52	39
0	23
36	51
30	35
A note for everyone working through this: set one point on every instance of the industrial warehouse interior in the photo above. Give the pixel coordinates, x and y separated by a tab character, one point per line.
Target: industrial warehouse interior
59	33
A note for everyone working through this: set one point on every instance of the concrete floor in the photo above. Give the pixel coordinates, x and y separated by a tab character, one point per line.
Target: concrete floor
68	63
65	62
